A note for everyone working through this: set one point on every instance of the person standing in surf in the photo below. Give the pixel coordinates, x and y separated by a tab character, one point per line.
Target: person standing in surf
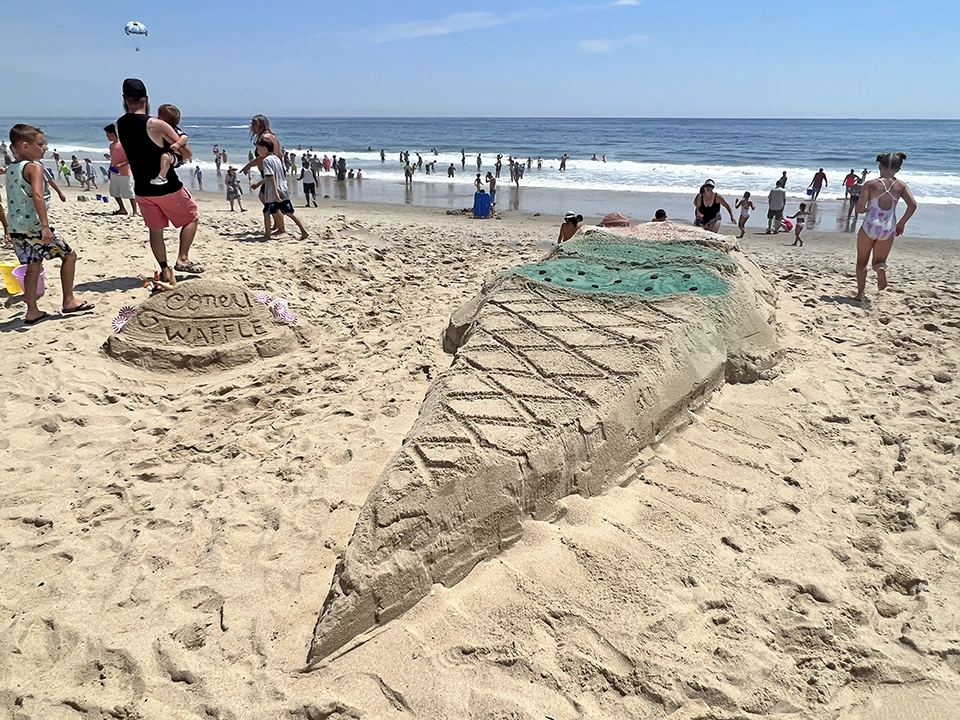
878	201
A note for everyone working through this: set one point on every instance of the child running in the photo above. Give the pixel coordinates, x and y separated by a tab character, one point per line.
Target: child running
879	200
801	217
746	205
170	114
34	240
276	195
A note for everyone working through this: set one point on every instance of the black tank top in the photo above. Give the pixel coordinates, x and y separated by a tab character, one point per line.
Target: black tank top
709	212
144	157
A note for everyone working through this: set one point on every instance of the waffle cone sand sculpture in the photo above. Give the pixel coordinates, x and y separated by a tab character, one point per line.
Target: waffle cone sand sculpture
563	373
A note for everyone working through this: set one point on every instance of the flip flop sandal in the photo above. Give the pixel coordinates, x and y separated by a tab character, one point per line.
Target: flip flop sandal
44	316
79	308
190	267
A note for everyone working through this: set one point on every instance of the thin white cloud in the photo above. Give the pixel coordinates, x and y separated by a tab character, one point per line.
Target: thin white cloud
608	45
458	22
627	2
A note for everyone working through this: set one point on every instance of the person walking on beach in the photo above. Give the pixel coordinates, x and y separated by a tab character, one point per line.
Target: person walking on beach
800	216
308	182
783	180
776	202
260	128
91	172
746	205
77	169
563	163
121	180
34	239
234	191
855	190
848	182
142	138
198	175
708	203
880	226
463	158
479	162
818	183
275	190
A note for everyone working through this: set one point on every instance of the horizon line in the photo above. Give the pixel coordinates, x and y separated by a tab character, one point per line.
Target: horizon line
528	117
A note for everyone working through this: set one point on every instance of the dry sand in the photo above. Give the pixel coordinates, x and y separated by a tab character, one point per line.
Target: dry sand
167	539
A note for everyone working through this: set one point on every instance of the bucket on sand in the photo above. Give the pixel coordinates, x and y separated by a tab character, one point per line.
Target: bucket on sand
21	272
12	284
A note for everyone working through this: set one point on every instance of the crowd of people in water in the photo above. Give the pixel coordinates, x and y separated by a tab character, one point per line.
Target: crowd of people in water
146	151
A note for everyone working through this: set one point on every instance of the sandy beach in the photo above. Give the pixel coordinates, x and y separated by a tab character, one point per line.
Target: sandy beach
167	539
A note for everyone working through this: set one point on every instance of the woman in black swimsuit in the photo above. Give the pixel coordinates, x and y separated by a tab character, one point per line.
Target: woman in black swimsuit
708	203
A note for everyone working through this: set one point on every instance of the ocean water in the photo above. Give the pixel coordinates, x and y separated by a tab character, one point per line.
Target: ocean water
662	157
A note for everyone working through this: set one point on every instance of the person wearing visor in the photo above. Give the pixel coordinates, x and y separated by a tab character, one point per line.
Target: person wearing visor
708	203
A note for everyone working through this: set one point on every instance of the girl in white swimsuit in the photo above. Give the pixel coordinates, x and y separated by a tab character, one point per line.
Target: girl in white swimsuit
880	224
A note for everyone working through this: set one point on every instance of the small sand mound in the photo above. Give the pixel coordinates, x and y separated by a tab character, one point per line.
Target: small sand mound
201	324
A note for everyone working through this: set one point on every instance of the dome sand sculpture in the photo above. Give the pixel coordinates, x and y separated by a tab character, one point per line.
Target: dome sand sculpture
201	324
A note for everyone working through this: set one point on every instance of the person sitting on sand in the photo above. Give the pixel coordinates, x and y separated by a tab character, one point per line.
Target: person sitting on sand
34	239
275	189
173	157
571	223
746	205
879	201
708	203
660	215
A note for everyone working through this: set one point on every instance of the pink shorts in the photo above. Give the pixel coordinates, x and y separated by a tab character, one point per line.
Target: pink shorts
177	209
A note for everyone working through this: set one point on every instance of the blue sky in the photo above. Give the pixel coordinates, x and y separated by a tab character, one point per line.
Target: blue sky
608	58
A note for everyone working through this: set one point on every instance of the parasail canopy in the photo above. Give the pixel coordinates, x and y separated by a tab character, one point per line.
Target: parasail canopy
135	28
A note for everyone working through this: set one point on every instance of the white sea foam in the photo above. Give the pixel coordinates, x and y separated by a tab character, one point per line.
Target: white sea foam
649	177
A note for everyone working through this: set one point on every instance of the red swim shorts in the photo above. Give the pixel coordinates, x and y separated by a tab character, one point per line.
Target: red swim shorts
177	209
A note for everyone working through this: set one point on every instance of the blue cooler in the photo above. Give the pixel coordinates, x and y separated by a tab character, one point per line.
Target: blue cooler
481	205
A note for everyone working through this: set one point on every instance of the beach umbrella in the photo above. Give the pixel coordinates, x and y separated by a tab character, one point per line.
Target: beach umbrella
135	28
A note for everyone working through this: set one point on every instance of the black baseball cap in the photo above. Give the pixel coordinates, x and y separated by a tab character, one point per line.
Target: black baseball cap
134	89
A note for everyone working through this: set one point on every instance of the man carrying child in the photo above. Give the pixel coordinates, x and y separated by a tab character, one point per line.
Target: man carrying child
143	139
